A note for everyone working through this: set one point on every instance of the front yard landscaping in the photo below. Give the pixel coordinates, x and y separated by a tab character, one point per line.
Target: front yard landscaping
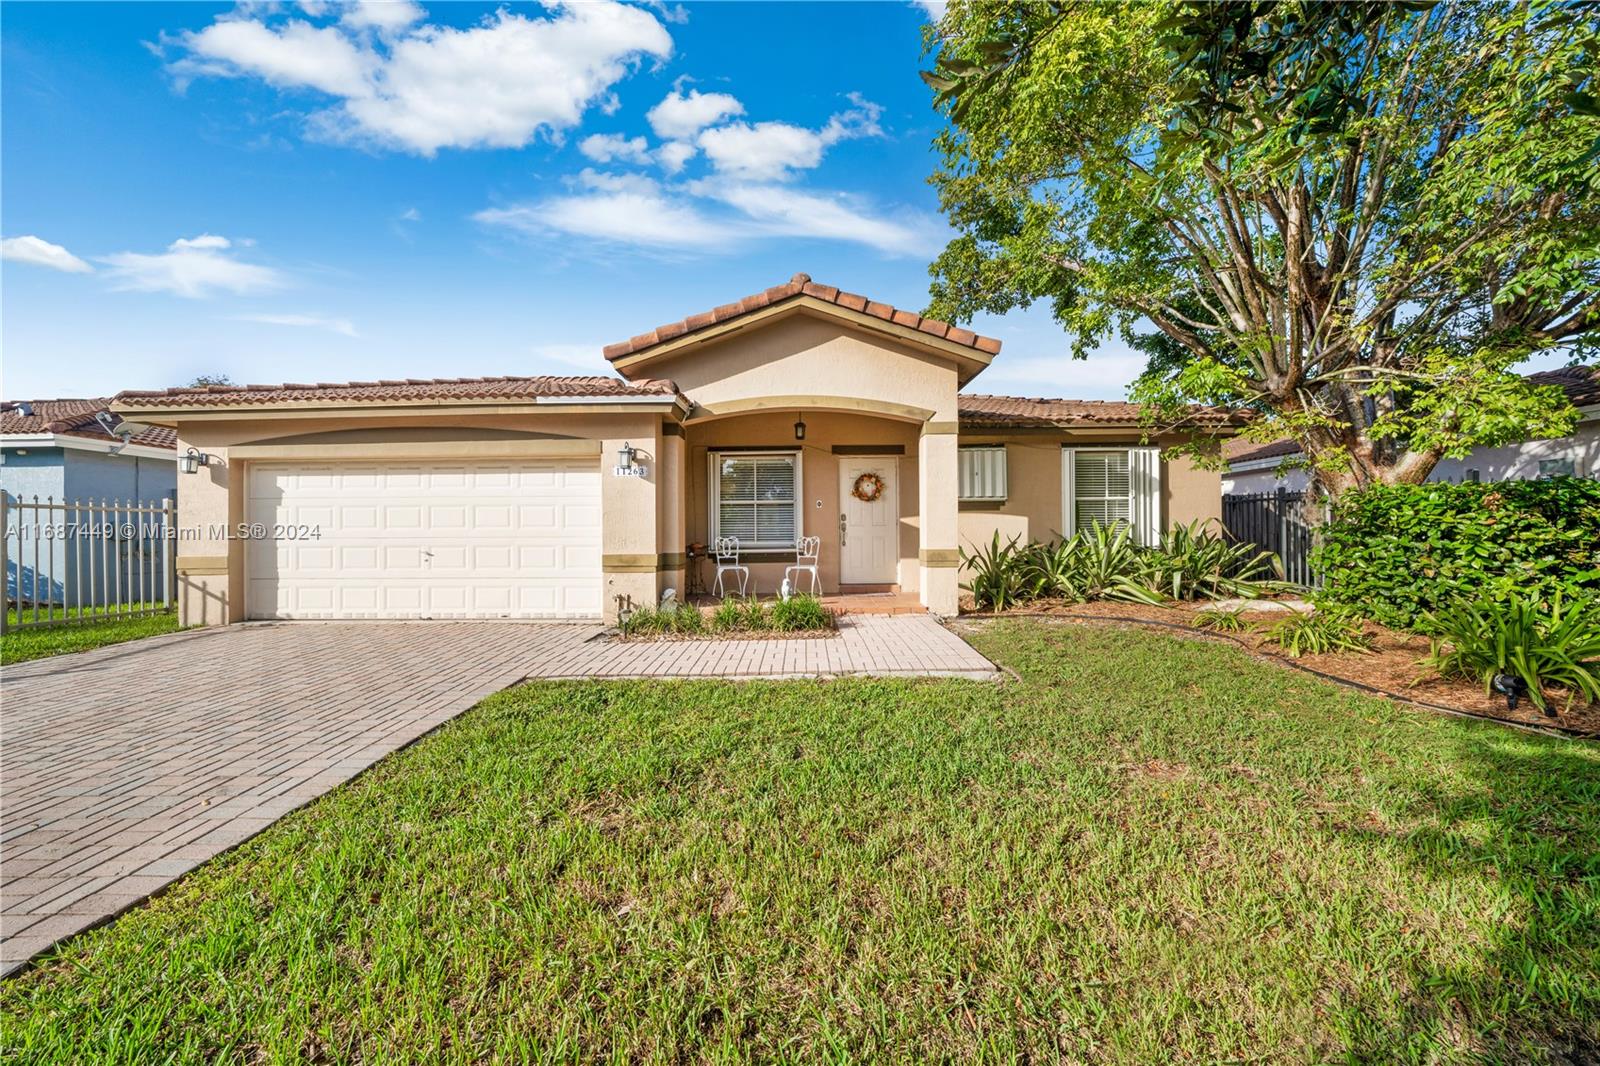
20	645
1145	849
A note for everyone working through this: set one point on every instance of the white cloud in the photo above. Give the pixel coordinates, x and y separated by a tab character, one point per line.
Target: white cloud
674	154
707	216
630	210
385	16
604	147
40	252
782	211
934	9
341	326
297	56
680	116
772	151
423	87
411	214
193	267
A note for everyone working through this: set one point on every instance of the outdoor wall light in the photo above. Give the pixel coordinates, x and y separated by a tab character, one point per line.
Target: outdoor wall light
625	456
193	460
799	429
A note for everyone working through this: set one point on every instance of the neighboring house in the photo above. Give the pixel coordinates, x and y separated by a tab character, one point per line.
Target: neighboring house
57	450
1256	467
801	410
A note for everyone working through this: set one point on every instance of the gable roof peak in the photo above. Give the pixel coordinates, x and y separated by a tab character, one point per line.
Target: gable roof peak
981	349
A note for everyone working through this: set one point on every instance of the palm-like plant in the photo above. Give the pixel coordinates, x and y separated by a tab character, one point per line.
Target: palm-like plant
1001	574
1482	638
1192	561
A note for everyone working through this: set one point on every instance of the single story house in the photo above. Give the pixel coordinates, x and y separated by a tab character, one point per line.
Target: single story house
1254	467
798	411
59	450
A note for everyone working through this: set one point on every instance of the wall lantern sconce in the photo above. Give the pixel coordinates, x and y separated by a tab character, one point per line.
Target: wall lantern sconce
799	429
628	464
193	460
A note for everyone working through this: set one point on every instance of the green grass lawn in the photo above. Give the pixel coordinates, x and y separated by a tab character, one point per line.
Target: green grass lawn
20	645
1147	850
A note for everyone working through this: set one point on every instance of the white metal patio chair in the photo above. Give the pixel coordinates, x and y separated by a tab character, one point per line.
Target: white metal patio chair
726	553
806	551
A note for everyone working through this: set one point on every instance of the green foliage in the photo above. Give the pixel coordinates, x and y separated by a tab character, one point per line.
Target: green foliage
799	613
1221	620
1318	633
1354	219
1104	563
682	618
1399	551
1001	575
1516	635
1194	562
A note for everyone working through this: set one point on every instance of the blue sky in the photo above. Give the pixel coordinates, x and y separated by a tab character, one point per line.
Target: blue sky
321	192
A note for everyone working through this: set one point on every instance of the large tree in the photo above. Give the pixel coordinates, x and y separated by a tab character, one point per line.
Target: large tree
1354	219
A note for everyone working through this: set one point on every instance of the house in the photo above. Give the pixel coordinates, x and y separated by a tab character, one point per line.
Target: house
1254	467
59	450
801	410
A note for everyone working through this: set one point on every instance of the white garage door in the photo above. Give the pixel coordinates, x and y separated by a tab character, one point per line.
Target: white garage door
425	539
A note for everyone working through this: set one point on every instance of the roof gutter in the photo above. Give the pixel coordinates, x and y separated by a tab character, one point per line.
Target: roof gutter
86	444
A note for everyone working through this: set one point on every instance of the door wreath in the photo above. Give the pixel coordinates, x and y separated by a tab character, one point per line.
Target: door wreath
868	488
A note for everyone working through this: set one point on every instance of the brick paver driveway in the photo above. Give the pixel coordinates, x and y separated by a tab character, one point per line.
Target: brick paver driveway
125	767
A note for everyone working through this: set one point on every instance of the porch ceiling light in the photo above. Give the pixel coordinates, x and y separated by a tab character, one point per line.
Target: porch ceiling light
799	429
193	460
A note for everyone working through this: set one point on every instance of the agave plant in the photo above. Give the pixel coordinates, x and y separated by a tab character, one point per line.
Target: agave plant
1001	574
1193	562
1513	636
1318	633
1106	565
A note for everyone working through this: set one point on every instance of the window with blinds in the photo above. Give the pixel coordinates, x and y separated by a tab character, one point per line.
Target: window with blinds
756	500
981	473
1102	488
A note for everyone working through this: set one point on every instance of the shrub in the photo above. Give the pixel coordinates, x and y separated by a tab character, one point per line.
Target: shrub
1001	575
1223	621
1192	562
682	618
1478	639
1318	633
800	613
1400	551
739	616
1100	563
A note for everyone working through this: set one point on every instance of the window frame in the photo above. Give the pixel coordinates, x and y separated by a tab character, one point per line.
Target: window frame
714	458
1144	517
1005	473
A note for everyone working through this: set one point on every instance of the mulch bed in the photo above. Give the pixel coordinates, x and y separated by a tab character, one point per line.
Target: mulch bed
1392	666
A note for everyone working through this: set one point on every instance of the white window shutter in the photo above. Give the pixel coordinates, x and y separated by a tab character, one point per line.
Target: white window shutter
1069	492
1144	465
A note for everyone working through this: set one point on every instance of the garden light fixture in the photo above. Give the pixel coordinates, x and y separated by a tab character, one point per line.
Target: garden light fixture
193	460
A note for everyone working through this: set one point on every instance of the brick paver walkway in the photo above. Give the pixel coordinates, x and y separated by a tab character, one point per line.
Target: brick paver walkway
123	768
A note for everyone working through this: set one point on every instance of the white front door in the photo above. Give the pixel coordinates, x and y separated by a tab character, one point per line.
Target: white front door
425	539
869	532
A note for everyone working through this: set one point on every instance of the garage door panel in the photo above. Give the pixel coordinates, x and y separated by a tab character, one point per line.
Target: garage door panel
427	540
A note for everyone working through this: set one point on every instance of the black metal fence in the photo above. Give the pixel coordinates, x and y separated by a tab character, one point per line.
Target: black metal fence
1275	522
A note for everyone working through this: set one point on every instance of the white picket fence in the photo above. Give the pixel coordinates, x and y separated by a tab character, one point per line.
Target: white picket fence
74	561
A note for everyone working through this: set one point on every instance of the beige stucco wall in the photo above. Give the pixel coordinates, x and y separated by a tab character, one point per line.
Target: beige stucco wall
854	388
211	502
1033	507
819	481
804	356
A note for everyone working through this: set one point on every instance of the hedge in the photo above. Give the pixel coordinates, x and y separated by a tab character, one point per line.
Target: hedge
1397	551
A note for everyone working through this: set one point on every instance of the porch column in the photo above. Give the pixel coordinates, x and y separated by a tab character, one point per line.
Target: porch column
936	509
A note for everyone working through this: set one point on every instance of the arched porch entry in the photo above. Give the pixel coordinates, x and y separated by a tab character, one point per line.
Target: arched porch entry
774	468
